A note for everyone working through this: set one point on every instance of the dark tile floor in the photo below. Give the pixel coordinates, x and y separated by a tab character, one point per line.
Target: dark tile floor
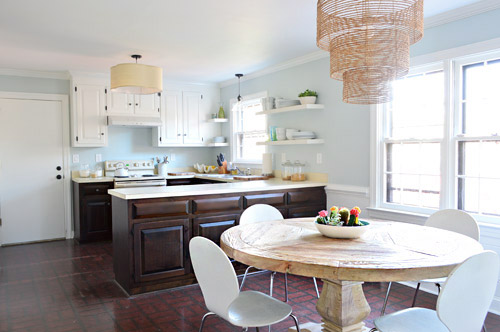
63	286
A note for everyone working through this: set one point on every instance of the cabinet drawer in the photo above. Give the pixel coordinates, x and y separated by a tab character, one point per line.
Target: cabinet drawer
96	188
305	211
315	196
160	209
180	182
213	227
209	205
270	199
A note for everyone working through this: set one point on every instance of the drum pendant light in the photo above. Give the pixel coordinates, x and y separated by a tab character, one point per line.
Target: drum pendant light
135	78
369	44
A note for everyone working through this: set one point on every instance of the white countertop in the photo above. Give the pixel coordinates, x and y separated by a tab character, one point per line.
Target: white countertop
93	180
210	189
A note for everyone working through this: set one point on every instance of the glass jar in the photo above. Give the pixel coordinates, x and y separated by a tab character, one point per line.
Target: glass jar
298	171
84	171
286	171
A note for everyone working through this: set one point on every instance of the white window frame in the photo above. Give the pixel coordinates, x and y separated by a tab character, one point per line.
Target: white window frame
450	61
244	162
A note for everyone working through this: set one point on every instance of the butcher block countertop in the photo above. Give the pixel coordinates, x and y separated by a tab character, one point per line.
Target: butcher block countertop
211	189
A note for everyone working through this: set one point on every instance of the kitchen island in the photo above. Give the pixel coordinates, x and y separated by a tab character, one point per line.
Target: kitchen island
152	226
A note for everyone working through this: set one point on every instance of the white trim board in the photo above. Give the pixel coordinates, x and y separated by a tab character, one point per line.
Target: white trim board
68	222
56	75
461	13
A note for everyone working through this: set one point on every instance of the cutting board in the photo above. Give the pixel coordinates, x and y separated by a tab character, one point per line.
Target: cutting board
181	173
250	177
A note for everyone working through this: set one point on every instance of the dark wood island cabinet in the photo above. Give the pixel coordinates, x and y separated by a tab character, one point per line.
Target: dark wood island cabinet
151	236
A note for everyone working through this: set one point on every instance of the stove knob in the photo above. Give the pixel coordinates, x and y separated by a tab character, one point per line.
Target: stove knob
143	164
136	164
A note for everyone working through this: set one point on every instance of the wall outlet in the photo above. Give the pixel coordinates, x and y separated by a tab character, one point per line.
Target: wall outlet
76	158
98	157
283	157
319	158
172	157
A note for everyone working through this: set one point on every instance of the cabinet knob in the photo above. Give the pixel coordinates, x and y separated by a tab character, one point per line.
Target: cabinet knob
136	104
129	104
102	134
109	204
97	190
185	134
178	134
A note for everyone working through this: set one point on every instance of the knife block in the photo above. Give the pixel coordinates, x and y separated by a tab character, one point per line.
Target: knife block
223	168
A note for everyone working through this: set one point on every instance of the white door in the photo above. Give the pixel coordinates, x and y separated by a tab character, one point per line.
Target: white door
191	104
91	119
31	149
147	105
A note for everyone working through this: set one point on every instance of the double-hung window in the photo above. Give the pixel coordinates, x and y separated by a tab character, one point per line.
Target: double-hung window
248	128
438	143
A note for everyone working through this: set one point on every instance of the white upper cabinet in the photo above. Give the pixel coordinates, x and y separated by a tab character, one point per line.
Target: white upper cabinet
134	105
184	116
88	116
191	111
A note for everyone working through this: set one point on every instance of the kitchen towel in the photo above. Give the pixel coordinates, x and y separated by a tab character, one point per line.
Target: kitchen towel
267	163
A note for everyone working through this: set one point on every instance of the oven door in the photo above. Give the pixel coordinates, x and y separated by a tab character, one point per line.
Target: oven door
140	183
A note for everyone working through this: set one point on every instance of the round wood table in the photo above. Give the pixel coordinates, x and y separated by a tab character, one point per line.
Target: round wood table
388	251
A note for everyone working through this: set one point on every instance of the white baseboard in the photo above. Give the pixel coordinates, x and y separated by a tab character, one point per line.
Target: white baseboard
432	289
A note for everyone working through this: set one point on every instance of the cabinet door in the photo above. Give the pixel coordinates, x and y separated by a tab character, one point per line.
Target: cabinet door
120	103
161	249
191	104
96	221
147	105
213	227
170	131
89	119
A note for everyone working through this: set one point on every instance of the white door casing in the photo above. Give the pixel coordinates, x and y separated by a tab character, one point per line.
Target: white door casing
34	140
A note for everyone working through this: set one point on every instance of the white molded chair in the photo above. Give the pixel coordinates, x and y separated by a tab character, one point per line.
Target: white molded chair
462	306
219	285
451	220
260	213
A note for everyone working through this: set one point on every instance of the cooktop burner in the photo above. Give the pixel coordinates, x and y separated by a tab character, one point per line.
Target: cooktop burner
122	176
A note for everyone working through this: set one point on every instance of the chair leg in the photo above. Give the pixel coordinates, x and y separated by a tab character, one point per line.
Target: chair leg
244	277
271	284
373	329
296	321
316	287
386	298
203	319
286	287
415	296
439	288
257	329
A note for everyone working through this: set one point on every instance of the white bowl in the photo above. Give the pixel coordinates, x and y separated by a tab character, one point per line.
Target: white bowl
342	232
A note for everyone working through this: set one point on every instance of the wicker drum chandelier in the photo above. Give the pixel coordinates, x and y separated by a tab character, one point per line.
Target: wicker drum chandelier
369	44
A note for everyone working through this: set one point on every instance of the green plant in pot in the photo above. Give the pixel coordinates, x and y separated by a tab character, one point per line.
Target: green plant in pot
308	97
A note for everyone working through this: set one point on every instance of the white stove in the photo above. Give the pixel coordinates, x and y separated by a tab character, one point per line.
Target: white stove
141	173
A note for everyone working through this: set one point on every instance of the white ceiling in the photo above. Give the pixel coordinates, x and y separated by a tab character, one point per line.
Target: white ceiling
194	40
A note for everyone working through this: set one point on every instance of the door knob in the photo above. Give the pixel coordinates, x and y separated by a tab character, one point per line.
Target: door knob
59	177
58	168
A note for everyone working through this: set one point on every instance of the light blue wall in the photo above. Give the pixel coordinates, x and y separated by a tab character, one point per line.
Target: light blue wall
123	143
346	153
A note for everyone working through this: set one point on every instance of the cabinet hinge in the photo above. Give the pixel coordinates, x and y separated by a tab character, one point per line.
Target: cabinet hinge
76	88
201	96
105	91
158	110
77	138
0	221
105	108
159	94
160	138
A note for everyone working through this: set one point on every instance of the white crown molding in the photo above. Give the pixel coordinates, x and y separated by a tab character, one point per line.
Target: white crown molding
57	75
281	66
461	13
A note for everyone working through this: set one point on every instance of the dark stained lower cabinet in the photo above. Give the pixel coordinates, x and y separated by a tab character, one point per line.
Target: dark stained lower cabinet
160	251
151	236
92	211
